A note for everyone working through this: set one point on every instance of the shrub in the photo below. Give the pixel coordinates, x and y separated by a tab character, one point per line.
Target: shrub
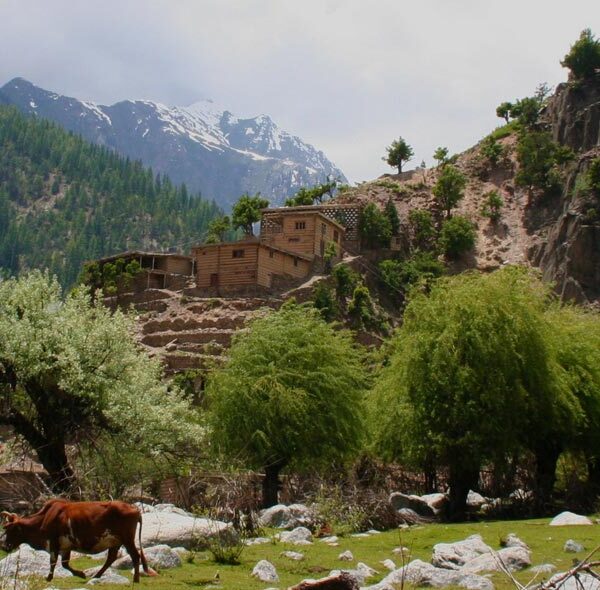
492	206
492	150
422	229
324	301
400	276
457	236
583	58
449	188
360	307
374	227
345	281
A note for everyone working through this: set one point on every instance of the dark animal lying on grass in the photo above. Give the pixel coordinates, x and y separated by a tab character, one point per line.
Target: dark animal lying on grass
89	527
342	581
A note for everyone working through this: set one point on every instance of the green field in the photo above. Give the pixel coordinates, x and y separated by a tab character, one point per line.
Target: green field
545	542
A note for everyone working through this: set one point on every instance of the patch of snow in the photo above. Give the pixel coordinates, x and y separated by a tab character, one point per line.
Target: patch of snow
32	104
97	111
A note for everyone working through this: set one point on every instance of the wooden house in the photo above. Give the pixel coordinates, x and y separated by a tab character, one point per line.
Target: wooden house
293	243
159	270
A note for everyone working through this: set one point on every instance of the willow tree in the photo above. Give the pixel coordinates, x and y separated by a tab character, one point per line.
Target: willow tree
71	372
473	379
288	397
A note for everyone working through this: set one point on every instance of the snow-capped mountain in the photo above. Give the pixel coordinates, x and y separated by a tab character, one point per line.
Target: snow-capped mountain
203	145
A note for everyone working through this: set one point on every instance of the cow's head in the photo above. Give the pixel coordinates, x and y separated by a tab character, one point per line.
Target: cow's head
12	536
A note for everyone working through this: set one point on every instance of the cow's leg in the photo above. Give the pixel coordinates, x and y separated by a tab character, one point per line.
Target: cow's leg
135	557
54	550
65	557
110	558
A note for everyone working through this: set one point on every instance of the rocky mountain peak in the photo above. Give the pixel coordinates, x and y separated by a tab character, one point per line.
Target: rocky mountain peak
203	145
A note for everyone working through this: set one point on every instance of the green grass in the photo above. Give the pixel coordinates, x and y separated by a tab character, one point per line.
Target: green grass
504	130
546	544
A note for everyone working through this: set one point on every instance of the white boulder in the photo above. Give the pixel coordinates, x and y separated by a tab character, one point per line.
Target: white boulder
346	556
572	546
454	555
298	536
26	561
570	518
265	571
159	557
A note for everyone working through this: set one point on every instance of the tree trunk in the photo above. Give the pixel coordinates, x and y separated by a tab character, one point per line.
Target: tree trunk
461	479
400	168
593	465
53	457
546	457
271	484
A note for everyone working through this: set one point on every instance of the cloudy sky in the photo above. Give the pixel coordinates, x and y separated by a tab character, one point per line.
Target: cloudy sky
346	75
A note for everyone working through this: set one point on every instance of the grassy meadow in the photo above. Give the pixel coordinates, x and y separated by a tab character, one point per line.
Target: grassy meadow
545	542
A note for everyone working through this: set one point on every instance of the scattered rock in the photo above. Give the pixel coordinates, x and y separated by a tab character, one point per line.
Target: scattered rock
170	527
419	573
454	555
388	564
257	541
299	536
409	516
341	581
360	535
285	517
365	570
511	540
110	576
572	546
159	557
582	582
346	556
401	550
543	568
26	561
373	532
329	540
514	558
569	518
265	571
401	501
475	501
437	502
293	555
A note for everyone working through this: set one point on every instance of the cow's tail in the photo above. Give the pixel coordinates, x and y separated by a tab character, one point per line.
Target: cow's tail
147	570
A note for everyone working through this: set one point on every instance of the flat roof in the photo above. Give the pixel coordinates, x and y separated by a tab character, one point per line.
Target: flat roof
302	209
255	242
135	253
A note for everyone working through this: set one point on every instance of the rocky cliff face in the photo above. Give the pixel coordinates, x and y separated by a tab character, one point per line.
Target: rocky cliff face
570	254
202	145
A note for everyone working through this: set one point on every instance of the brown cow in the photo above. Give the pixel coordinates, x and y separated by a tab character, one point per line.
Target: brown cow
89	527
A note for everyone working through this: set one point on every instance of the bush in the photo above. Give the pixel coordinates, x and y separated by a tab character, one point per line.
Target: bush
583	58
324	301
457	236
492	150
594	176
422	229
492	206
360	307
345	281
398	277
374	227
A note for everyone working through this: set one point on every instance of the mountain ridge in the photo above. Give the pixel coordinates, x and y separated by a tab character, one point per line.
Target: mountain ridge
205	146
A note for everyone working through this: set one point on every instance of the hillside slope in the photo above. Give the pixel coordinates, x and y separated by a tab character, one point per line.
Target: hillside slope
64	201
202	145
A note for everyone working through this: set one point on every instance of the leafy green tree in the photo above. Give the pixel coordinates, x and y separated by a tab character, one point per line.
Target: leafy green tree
539	159
583	59
472	378
398	154
345	280
422	229
593	177
527	111
289	396
503	110
316	194
492	206
397	277
449	188
441	156
374	228
457	236
360	308
324	301
71	371
217	229
392	215
492	150
246	212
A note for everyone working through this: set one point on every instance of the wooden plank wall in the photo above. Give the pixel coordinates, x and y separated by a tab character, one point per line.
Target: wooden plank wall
218	259
271	262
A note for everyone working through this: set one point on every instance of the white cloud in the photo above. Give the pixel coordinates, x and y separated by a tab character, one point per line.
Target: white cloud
346	75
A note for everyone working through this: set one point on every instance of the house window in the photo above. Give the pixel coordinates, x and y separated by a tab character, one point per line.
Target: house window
300	224
271	254
293	239
295	261
237	254
336	235
323	229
